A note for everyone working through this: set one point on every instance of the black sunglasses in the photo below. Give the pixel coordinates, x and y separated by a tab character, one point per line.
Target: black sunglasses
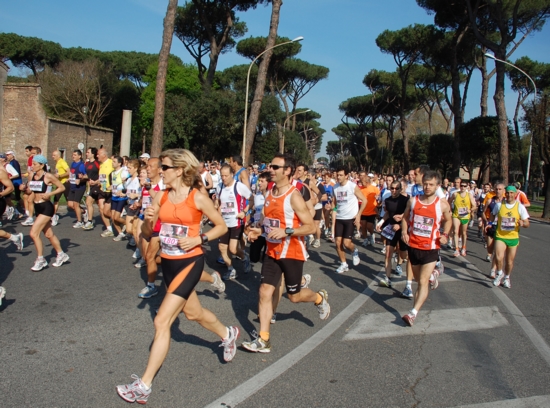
165	167
276	166
394	189
464	185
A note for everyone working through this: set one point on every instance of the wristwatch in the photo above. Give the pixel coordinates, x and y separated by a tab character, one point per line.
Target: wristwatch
289	231
204	238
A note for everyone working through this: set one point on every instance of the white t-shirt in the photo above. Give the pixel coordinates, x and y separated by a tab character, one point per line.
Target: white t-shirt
523	214
216	179
386	194
132	186
11	171
231	205
348	205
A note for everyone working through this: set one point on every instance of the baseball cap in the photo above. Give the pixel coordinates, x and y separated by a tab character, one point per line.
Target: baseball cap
511	189
10	152
145	156
472	182
370	175
39	159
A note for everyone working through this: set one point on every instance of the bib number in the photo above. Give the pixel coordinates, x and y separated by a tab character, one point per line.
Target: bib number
422	226
463	212
269	224
508	224
36	186
169	235
388	232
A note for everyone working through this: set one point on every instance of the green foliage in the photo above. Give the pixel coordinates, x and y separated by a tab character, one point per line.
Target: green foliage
31	52
419	150
440	152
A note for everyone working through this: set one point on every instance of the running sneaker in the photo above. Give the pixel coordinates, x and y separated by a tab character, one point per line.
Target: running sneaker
88	226
407	293
230	343
386	282
493	274
357	235
19	241
398	270
140	264
2	294
498	279
307	279
107	233
39	264
135	392
10	212
132	241
78	224
55	220
366	242
342	268
409	319
148	292
372	240
434	281
230	274
28	222
506	283
136	254
218	282
323	308
60	259
274	318
85	216
119	237
246	261
463	252
356	259
383	251
456	253
220	260
257	345
488	258
316	243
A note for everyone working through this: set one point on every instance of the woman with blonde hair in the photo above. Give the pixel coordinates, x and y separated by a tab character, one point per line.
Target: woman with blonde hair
179	209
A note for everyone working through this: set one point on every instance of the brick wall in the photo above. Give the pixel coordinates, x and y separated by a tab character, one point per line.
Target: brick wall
3	77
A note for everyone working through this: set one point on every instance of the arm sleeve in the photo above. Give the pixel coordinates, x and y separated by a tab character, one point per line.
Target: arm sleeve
523	213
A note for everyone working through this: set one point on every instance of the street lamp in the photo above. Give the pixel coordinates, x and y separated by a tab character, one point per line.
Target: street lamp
248	81
534	104
282	141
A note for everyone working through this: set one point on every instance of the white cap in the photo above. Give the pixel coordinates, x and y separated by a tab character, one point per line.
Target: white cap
145	156
370	175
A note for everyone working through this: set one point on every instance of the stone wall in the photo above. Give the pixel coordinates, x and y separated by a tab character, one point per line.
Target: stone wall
3	78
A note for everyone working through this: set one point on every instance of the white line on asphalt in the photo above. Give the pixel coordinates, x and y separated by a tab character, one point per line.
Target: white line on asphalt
532	333
260	380
523	236
542	401
382	325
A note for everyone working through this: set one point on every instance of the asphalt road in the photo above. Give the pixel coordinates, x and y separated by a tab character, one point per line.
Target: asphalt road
68	335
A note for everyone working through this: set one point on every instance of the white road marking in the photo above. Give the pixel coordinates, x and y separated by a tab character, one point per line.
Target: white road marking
260	380
523	236
542	401
382	325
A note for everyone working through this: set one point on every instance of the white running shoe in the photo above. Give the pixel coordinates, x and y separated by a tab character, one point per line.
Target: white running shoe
39	264
356	259
135	392
498	279
230	343
140	264
136	254
85	216
218	283
28	222
323	308
78	225
55	220
88	226
19	242
342	268
60	259
2	294
307	281
119	237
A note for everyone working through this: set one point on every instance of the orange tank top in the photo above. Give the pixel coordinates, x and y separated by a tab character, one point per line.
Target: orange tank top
424	223
178	221
278	213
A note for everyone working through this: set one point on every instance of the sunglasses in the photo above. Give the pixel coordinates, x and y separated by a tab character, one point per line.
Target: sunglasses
464	185
394	189
276	167
165	167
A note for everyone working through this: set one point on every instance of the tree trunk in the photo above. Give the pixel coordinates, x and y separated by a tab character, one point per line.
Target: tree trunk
261	80
500	108
546	210
457	110
160	92
484	83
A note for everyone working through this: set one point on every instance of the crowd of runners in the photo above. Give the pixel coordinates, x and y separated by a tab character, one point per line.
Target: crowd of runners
169	207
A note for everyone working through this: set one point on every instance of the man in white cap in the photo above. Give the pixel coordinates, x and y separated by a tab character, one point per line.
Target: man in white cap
145	157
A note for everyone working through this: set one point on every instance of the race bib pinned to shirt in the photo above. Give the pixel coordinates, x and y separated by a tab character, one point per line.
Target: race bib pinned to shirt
388	232
269	224
169	235
422	226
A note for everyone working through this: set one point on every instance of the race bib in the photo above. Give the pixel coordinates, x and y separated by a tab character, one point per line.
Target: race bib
422	226
169	236
269	224
388	232
36	186
508	224
228	209
146	202
463	211
342	197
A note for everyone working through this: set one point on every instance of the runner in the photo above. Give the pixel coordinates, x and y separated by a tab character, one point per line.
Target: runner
132	190
62	172
78	188
420	231
390	228
510	215
489	203
104	201
6	188
94	185
480	198
180	211
232	204
118	197
40	184
28	198
463	209
368	216
348	215
286	221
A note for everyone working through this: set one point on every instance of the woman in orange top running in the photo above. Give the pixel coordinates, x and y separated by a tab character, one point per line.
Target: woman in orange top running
180	210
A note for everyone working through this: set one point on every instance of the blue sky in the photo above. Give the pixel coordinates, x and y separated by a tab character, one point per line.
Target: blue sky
338	34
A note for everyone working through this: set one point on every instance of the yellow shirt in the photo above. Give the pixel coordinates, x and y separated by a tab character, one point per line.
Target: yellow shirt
462	206
105	169
62	167
508	221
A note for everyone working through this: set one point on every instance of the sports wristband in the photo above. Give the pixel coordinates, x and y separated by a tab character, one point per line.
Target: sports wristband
204	238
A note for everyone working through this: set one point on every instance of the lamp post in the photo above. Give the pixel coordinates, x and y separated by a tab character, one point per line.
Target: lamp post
534	104
248	82
282	141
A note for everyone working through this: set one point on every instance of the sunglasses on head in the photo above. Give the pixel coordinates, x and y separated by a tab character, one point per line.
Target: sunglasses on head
165	167
276	166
